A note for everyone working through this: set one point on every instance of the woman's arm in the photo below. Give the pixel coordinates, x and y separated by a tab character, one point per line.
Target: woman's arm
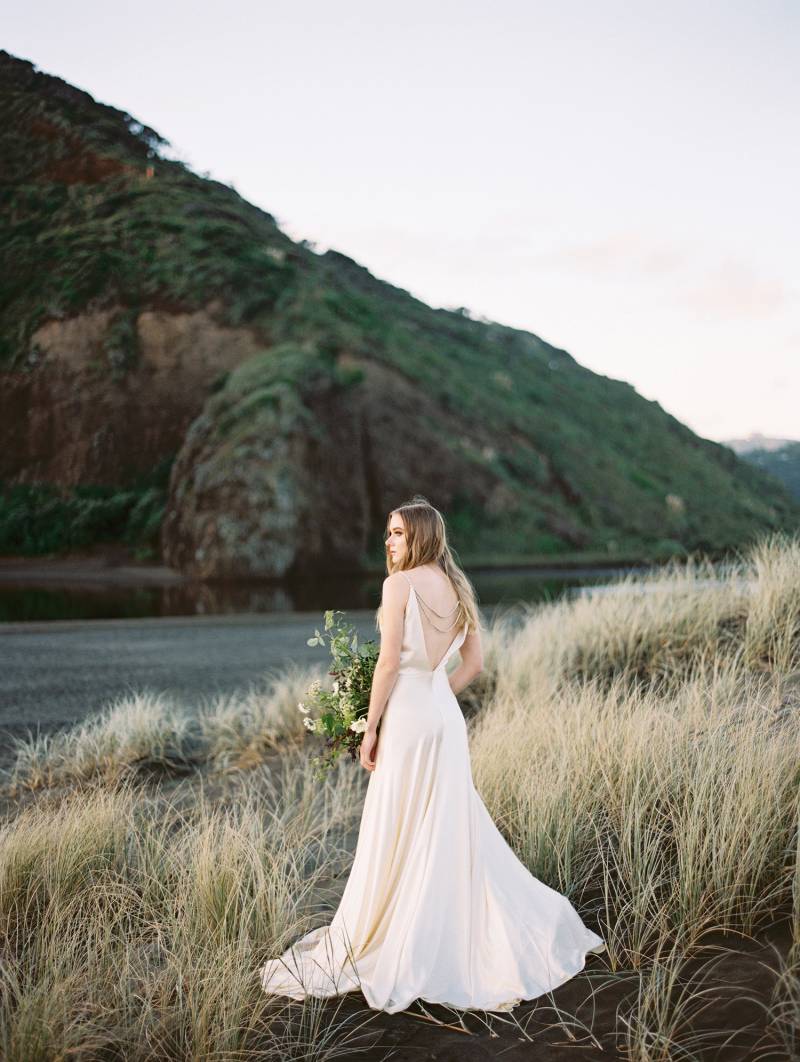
471	665
393	602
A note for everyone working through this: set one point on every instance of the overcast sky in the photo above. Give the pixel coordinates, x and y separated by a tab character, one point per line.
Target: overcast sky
620	178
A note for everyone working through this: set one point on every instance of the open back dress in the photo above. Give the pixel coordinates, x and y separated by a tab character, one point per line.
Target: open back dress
437	906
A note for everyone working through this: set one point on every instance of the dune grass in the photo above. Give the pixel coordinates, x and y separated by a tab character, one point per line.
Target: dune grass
152	734
132	927
639	747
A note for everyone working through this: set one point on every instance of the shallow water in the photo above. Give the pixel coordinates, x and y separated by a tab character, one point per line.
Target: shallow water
48	594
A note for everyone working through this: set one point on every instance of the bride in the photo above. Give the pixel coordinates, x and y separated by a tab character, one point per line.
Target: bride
437	905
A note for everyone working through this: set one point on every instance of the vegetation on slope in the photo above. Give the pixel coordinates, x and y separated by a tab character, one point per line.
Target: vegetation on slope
40	519
95	216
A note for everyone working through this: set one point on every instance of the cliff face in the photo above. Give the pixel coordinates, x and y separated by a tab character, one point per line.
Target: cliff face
147	313
298	460
68	419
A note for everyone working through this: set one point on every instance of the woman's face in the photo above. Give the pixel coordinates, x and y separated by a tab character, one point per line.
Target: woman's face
396	539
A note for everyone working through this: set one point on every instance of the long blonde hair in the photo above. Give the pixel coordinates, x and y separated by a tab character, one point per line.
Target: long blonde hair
426	543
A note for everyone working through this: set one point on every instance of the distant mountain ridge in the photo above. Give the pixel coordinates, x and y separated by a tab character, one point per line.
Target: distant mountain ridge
152	318
777	457
757	441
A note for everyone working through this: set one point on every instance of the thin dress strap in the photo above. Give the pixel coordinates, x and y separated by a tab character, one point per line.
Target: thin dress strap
441	615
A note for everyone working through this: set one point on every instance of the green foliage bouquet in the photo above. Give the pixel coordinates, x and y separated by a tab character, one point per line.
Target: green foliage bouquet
339	715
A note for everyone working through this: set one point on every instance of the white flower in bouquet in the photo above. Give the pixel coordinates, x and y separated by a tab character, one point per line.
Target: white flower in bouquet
334	708
303	708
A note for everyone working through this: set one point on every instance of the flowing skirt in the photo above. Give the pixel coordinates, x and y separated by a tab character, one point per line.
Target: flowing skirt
437	905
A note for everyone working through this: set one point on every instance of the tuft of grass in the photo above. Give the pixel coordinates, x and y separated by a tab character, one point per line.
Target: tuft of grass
772	630
658	625
137	732
238	729
660	1024
146	734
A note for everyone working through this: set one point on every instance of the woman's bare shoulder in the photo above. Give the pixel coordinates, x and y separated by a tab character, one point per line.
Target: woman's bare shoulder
395	585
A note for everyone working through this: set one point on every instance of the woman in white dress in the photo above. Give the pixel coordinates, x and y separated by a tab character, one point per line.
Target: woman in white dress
437	906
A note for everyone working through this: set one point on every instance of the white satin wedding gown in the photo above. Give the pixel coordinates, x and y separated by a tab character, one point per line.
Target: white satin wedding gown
437	906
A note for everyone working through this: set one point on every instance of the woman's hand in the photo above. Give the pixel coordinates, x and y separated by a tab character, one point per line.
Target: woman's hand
368	748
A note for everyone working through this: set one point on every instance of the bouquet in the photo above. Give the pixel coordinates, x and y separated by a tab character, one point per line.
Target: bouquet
339	715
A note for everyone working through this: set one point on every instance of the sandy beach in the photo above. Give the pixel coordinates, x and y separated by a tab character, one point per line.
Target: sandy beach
56	673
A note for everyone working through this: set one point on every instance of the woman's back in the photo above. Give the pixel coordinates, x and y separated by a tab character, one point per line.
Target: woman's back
440	616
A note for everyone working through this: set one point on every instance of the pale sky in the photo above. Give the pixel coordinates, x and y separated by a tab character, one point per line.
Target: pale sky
618	177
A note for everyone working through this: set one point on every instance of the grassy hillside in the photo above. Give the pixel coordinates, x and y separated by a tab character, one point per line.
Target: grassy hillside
92	215
528	451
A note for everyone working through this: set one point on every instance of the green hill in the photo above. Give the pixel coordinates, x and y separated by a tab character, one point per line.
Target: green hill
177	372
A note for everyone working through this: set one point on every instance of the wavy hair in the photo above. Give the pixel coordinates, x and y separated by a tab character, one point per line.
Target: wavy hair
426	543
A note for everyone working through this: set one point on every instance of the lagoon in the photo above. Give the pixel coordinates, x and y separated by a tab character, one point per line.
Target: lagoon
70	647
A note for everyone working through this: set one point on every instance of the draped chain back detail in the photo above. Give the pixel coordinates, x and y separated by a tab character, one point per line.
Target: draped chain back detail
416	643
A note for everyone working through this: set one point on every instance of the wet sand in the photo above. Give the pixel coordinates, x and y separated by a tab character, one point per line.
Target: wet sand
55	673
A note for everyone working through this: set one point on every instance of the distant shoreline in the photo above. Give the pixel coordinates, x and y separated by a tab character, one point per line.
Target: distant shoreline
115	567
87	569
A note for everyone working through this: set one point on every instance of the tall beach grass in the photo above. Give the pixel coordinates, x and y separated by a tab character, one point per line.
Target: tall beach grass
639	746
